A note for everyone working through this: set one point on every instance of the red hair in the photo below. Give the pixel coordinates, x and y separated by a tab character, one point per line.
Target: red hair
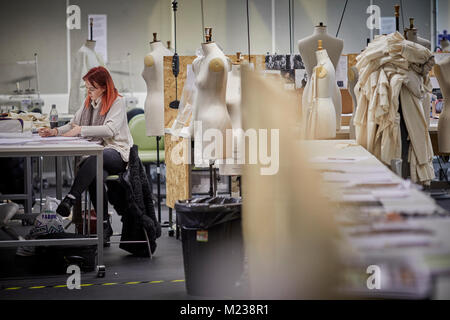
101	77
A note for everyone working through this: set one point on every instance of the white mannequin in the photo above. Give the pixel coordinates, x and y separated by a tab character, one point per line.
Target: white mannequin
321	117
442	70
85	59
334	47
153	75
211	71
353	77
233	98
411	35
445	45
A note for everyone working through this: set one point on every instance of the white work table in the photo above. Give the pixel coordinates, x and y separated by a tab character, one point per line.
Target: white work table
36	147
416	201
424	245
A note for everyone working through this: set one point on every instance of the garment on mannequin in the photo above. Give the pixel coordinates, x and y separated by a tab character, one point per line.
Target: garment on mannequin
393	70
442	70
353	77
233	98
85	59
334	47
153	75
181	127
210	108
320	115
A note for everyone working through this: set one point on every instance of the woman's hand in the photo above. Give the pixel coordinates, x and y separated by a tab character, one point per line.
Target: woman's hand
47	132
75	131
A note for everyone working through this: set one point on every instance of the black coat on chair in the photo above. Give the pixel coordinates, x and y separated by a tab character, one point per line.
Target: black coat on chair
131	197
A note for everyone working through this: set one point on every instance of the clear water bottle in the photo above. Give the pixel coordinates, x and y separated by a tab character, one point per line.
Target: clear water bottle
53	117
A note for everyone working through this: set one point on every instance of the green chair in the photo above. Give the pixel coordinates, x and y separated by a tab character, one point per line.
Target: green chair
146	145
147	150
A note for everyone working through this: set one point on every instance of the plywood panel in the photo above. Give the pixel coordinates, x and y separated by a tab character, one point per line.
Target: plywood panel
177	175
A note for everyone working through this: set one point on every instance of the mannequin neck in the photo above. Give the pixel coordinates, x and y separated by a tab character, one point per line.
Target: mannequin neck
321	56
155	45
411	35
90	44
209	47
318	30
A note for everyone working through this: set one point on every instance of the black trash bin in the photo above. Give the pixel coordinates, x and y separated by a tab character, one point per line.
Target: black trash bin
213	253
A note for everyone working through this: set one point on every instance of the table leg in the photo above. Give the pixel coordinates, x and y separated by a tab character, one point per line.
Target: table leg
58	162
101	267
28	187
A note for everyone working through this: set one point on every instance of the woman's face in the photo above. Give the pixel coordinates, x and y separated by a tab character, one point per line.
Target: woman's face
94	90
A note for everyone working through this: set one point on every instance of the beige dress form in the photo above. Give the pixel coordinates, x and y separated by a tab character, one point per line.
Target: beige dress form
411	35
352	80
445	45
442	72
210	106
319	109
334	47
153	75
233	98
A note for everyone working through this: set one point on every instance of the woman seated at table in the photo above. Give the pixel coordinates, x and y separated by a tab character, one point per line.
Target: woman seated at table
101	119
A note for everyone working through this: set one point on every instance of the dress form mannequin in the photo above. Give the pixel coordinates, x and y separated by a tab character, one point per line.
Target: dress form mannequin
233	98
441	70
153	75
210	108
334	47
445	45
321	115
411	35
353	77
85	59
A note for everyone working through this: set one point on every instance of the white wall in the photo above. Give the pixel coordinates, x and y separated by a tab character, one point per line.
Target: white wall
28	26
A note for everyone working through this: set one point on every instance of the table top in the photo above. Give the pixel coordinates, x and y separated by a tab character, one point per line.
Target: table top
417	200
51	144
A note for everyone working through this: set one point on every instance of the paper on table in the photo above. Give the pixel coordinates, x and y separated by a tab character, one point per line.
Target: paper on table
337	159
357	177
393	241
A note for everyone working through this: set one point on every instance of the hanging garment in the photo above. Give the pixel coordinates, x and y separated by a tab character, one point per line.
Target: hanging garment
392	68
85	59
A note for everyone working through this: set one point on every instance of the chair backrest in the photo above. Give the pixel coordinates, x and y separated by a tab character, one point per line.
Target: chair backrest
138	132
134	112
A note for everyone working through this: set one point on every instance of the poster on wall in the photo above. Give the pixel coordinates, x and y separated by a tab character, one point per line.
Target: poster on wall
341	72
99	34
387	25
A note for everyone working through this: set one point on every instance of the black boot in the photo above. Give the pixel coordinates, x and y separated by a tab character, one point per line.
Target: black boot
107	233
65	206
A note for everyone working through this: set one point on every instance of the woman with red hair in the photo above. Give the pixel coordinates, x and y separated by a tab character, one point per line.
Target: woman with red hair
101	119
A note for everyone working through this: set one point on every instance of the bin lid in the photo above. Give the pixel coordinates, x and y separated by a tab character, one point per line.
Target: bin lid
205	212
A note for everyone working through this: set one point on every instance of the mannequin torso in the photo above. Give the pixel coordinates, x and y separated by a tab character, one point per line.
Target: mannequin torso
321	118
445	45
353	77
233	98
334	47
153	75
210	107
442	70
411	35
86	58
